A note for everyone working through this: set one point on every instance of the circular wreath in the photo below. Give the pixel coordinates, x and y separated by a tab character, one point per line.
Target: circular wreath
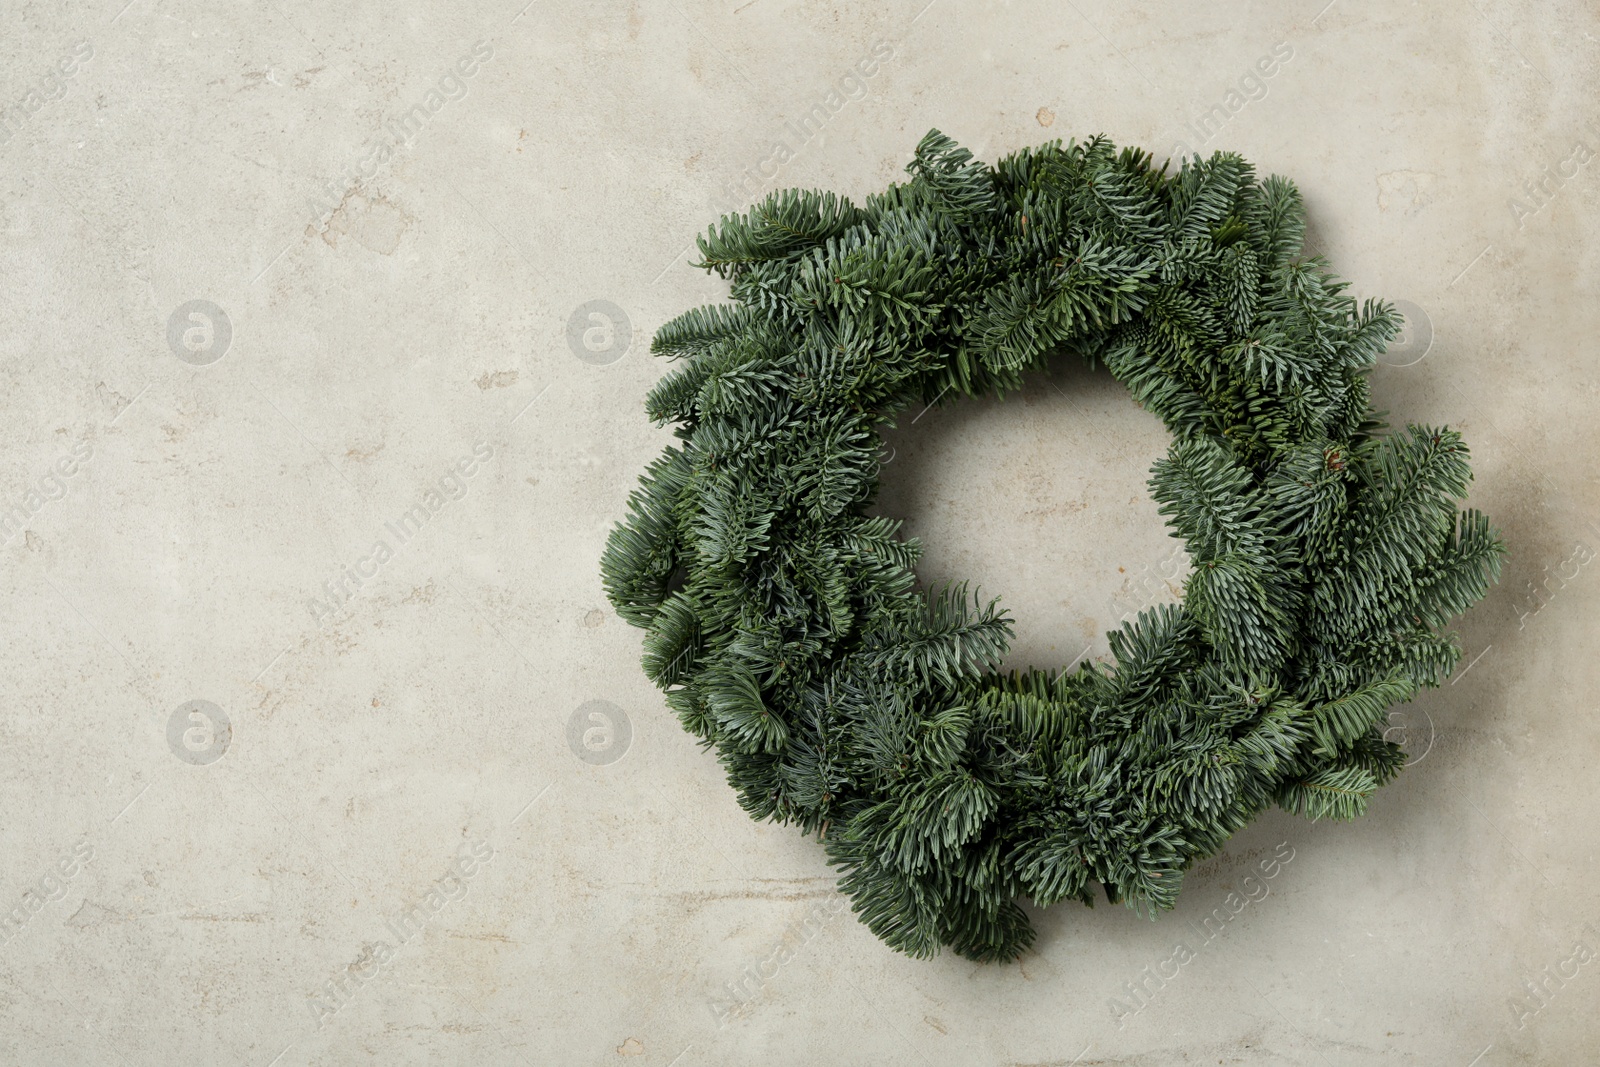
786	625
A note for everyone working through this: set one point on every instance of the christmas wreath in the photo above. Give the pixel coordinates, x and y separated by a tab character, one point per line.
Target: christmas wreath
788	630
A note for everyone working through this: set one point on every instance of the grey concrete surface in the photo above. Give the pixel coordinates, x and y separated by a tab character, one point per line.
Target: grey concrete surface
429	810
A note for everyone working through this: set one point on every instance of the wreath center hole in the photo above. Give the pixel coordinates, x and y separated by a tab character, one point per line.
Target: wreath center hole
1040	499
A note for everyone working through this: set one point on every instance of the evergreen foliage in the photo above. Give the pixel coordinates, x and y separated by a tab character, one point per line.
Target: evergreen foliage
787	627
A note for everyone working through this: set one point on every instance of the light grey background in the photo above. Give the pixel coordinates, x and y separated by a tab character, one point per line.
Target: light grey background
224	877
